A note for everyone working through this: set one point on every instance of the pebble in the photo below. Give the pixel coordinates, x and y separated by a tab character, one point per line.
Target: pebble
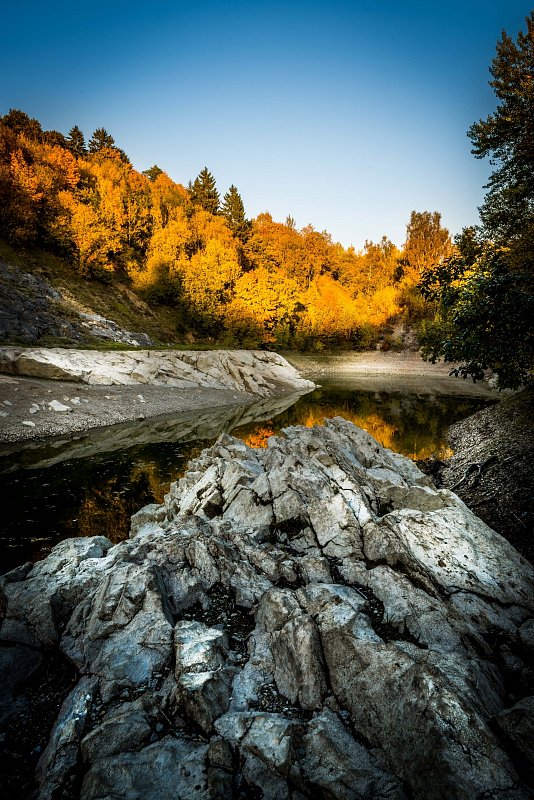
28	422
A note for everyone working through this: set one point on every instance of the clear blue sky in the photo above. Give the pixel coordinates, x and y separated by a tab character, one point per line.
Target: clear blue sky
346	115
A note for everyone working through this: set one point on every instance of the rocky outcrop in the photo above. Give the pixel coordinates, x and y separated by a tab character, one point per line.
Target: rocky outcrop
253	372
30	308
309	620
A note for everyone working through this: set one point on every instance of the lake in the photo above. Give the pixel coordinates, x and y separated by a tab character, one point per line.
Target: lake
91	484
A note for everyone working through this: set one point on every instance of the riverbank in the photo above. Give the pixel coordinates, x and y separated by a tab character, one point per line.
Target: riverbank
492	468
102	389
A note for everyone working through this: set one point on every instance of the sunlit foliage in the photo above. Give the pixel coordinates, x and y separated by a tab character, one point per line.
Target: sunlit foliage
244	282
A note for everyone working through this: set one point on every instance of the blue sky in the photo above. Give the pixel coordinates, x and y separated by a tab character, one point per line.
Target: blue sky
346	115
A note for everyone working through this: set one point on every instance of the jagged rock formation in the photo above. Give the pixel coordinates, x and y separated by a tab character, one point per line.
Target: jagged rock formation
313	620
251	371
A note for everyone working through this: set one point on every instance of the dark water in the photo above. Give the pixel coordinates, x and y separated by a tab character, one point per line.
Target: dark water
92	485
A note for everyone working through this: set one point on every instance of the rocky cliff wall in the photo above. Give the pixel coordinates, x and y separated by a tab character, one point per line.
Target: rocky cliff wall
309	620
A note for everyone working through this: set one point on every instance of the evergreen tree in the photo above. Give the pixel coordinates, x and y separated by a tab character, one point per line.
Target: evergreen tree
19	122
485	293
204	191
100	139
153	172
54	138
76	141
507	137
233	211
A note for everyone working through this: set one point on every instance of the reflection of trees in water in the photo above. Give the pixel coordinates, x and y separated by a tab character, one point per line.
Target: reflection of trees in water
108	506
410	424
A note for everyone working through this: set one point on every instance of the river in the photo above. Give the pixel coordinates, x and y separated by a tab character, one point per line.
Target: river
92	484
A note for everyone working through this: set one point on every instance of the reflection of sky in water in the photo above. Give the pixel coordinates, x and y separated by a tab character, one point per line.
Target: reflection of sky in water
98	494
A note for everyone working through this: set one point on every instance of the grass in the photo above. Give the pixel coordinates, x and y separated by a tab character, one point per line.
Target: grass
114	300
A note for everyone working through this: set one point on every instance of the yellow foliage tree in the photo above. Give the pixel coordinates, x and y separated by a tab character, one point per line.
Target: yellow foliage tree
209	277
267	301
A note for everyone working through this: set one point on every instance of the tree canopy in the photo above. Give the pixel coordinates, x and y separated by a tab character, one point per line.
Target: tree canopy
507	138
485	292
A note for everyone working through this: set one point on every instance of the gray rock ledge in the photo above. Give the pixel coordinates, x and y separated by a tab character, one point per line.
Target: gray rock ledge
312	620
254	372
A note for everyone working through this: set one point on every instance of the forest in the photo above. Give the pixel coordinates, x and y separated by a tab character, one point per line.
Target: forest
229	279
237	282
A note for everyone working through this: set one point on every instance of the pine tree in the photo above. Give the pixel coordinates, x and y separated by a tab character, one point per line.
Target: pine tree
100	139
507	137
153	172
233	211
19	122
76	141
204	191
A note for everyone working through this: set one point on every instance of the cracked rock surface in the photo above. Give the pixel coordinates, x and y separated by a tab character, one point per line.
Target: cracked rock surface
312	620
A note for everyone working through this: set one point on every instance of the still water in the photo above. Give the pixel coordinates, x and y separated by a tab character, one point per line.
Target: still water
92	484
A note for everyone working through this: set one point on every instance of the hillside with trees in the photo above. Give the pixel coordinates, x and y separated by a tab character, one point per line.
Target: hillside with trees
195	258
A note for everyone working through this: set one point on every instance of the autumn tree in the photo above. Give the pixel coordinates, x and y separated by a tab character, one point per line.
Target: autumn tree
76	142
427	243
19	122
204	192
265	301
233	211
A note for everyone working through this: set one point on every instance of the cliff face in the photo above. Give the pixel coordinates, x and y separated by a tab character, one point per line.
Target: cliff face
310	620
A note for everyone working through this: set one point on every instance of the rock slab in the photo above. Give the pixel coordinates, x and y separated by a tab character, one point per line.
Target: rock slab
256	373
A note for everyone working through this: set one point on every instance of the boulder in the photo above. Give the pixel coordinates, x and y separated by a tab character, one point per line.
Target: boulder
312	619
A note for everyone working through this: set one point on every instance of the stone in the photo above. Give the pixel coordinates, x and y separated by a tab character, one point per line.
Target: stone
55	405
170	769
311	619
254	373
517	725
60	758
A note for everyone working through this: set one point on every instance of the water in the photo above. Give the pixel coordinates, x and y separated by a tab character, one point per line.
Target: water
92	484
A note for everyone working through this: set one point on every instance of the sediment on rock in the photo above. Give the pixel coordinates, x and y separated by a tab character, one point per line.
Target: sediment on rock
310	620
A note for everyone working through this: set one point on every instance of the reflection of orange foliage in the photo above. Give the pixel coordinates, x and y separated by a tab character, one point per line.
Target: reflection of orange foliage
258	438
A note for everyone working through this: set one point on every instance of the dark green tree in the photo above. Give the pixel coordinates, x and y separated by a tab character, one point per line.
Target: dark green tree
233	211
507	138
204	192
100	139
19	122
76	141
54	138
153	172
485	293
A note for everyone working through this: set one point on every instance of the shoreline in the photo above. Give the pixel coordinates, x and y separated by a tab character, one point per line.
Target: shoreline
26	413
